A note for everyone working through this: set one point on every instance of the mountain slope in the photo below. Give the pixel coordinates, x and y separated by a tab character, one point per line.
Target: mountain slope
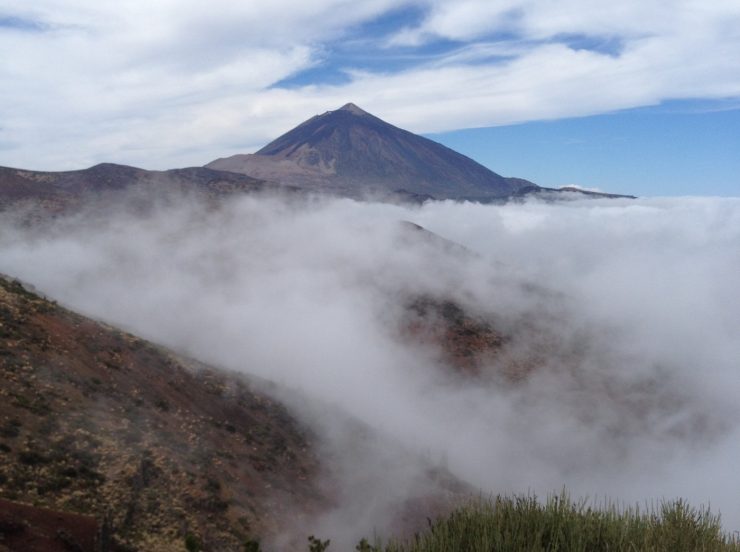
97	421
355	153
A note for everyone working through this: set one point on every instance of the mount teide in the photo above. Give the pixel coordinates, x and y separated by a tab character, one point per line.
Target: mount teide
346	153
353	153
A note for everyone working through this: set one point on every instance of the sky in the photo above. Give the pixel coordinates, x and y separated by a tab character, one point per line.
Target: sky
638	96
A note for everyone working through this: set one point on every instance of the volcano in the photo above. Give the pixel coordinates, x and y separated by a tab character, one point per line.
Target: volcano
346	153
353	153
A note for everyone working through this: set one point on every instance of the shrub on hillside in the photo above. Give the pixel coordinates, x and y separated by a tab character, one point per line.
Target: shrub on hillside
522	523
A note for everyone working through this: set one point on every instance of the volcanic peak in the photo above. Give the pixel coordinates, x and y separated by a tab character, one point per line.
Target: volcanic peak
353	108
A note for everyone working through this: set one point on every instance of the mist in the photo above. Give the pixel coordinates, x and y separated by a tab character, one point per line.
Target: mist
626	313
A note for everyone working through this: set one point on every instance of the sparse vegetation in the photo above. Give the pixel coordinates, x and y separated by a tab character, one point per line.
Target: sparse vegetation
317	545
121	427
522	523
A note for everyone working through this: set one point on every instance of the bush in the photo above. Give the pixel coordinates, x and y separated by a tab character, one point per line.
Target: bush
32	458
192	543
522	523
10	430
317	545
252	545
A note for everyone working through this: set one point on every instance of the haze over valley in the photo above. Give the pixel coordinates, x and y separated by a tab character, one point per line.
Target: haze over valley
598	340
246	305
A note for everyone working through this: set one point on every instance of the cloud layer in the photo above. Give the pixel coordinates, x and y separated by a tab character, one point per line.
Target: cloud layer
175	84
626	311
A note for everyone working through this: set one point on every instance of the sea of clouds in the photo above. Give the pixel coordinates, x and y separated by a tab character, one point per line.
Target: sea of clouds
626	314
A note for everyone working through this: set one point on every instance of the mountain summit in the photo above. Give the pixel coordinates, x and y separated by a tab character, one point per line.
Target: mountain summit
352	108
351	152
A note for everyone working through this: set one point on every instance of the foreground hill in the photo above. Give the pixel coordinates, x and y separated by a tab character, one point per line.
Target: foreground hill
354	153
94	420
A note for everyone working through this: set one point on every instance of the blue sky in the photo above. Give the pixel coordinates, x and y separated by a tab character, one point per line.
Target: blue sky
677	148
640	96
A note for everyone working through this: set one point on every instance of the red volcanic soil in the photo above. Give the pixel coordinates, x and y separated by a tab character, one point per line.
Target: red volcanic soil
30	529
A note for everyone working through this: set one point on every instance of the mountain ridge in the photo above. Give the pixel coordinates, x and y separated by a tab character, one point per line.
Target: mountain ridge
46	192
346	152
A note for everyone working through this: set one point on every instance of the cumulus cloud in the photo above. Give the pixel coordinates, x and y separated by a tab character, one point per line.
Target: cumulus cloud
624	313
174	84
147	82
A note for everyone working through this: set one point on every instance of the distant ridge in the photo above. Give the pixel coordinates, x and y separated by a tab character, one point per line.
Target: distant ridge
61	191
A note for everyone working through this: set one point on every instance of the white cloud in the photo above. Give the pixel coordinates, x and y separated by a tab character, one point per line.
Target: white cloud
535	19
180	83
150	82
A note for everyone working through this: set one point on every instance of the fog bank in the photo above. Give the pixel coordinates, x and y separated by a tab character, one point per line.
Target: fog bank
626	314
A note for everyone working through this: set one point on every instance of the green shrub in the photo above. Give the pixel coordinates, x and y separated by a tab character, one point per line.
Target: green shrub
192	543
364	546
252	545
522	523
317	545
